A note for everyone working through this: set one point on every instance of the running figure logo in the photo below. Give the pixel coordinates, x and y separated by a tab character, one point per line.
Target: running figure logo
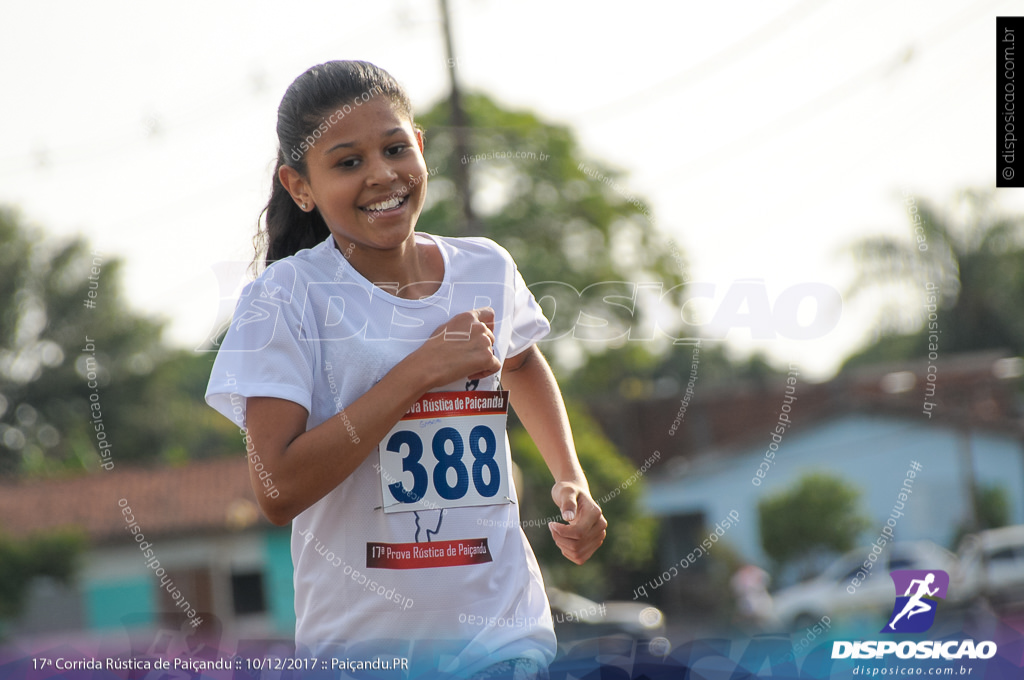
914	611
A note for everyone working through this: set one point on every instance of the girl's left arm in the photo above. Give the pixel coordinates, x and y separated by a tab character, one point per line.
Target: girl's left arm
538	403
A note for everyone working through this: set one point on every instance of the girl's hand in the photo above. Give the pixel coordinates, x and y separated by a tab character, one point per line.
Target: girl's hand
586	529
462	348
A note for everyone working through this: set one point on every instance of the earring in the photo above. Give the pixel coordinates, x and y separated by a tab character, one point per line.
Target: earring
303	206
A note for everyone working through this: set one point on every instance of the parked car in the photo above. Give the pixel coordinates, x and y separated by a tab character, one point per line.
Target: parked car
829	594
991	564
577	618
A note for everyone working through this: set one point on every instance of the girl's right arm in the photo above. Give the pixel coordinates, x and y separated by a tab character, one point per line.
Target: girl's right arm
305	465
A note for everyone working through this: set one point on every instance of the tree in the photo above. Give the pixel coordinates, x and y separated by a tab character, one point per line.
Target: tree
54	555
975	259
634	372
80	373
992	506
565	219
615	485
992	509
819	515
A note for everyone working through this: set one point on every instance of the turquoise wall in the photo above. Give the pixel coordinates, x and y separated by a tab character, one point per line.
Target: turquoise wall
121	603
279	584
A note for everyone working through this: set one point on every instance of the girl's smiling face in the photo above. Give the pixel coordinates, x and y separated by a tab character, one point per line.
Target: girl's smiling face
367	177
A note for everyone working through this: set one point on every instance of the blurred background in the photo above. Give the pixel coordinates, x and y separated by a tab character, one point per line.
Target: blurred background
779	276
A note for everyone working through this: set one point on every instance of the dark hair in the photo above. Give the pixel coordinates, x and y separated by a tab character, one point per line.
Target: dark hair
322	90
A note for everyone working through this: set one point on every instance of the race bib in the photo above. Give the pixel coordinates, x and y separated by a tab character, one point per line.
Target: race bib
448	451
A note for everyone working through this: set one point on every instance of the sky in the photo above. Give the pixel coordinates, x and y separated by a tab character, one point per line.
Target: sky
765	136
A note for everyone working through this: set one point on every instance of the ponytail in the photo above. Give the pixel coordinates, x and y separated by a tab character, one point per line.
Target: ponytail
287	228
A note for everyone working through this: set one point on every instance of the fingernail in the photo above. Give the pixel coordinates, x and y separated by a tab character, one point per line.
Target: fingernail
568	515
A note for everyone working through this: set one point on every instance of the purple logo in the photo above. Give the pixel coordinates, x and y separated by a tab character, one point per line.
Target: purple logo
914	611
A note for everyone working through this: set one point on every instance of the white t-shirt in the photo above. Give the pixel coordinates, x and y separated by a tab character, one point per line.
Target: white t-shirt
314	331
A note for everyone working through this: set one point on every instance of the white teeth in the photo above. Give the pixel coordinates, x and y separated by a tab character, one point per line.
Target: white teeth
385	205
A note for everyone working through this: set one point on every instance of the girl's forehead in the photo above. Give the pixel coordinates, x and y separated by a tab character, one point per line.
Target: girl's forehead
363	121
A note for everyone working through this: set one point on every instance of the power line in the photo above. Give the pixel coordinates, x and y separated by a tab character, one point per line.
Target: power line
715	62
836	95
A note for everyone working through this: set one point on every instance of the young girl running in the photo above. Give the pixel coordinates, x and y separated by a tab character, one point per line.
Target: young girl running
369	364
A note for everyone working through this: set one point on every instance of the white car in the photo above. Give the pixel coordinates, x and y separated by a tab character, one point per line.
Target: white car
575	617
991	564
829	594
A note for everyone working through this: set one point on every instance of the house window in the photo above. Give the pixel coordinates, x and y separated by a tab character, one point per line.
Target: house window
680	534
247	593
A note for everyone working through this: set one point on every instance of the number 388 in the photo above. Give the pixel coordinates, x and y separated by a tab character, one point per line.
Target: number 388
482	446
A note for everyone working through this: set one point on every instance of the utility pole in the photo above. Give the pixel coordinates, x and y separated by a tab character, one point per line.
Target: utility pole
460	170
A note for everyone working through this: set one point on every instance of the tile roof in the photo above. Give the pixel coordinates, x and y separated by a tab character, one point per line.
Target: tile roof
204	496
